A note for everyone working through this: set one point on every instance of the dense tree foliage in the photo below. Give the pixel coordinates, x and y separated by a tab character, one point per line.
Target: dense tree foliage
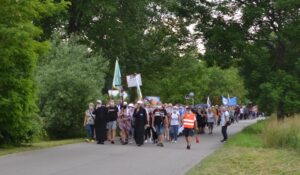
69	77
257	40
259	37
19	51
188	74
141	34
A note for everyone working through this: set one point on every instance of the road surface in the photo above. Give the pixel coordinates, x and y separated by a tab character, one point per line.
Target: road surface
90	158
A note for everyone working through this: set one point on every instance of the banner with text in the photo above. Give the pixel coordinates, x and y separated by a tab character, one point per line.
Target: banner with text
134	80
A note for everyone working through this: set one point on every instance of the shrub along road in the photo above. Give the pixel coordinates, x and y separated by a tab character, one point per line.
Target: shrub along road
87	158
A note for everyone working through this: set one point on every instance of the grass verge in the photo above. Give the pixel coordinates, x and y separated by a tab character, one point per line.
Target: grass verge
249	153
4	150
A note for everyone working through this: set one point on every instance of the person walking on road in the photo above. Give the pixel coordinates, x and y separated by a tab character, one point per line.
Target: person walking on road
210	120
189	123
158	122
100	122
140	121
89	121
224	123
124	124
112	121
175	122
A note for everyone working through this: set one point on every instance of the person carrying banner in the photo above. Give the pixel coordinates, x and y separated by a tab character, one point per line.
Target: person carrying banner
189	123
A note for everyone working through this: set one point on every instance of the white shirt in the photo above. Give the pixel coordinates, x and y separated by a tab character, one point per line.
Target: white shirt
224	118
90	117
242	110
175	118
210	117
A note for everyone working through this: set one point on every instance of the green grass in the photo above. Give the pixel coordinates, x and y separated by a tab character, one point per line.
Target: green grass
286	134
4	150
249	153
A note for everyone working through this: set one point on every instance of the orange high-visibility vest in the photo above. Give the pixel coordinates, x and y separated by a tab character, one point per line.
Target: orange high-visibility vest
189	120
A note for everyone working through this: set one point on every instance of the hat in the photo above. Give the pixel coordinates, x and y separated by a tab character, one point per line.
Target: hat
139	102
131	105
175	107
124	103
99	101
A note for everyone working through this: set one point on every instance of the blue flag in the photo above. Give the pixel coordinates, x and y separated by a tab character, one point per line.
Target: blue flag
229	101
233	101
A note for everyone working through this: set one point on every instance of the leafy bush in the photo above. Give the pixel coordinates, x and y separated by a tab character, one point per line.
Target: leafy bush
283	134
70	76
19	50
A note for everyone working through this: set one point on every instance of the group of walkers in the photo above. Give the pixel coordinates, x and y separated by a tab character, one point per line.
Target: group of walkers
143	123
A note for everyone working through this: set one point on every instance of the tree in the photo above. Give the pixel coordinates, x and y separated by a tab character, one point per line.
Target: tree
188	74
70	76
140	34
261	39
19	51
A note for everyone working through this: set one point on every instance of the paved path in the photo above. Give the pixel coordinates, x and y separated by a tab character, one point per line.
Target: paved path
88	158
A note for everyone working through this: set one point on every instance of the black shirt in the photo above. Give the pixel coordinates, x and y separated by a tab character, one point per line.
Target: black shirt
159	115
112	113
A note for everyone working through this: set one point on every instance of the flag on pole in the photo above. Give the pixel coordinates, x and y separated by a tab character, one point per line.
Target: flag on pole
228	99
224	100
139	92
208	102
117	76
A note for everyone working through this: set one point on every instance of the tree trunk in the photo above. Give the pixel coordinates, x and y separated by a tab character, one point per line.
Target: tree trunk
74	19
280	112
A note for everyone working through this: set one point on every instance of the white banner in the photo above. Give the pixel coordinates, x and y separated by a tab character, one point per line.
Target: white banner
113	93
131	80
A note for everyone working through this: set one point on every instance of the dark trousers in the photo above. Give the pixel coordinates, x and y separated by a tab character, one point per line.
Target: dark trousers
89	131
174	132
148	131
224	132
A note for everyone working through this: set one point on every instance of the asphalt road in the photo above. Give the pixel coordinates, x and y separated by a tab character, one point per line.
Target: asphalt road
90	158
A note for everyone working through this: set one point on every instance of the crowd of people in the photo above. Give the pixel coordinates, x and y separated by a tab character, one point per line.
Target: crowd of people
142	123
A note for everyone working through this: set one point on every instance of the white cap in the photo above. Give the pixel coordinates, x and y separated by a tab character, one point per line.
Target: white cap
124	103
131	105
99	101
139	102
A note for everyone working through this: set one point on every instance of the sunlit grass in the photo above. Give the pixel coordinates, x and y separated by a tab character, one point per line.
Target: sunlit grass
265	148
283	134
248	160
